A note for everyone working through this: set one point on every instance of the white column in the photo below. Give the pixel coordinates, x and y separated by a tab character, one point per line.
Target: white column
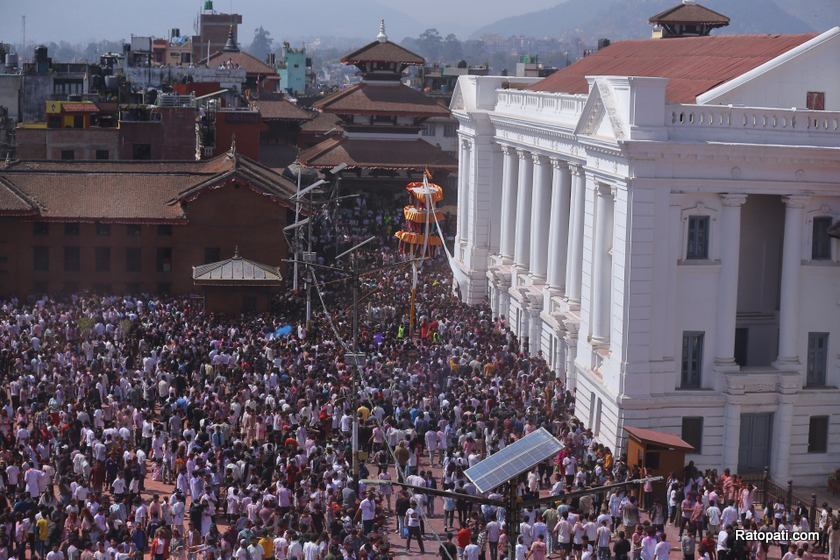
508	221
791	267
783	420
535	326
463	193
574	259
540	217
558	231
521	253
571	354
504	298
602	265
727	300
462	181
731	436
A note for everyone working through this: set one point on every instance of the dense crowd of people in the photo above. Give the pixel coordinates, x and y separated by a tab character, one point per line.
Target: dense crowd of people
137	426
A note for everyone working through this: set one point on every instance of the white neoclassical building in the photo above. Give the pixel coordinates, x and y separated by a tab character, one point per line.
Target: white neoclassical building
656	219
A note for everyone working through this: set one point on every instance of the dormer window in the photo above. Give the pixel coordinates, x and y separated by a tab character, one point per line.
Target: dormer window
815	101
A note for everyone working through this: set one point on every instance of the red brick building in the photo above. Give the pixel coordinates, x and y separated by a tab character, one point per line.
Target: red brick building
133	227
144	133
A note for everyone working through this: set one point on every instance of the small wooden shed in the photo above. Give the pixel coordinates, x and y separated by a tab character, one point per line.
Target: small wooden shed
659	452
237	285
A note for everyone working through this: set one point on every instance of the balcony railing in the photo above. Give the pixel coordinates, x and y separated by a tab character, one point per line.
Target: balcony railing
538	104
752	118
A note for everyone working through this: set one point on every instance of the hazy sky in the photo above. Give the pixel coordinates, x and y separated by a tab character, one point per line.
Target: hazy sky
82	20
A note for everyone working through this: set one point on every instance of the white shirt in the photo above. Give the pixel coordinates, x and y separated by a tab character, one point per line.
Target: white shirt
368	508
662	550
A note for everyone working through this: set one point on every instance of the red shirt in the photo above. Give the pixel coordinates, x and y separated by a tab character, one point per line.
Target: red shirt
463	537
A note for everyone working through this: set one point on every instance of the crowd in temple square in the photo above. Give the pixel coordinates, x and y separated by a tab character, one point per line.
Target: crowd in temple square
142	426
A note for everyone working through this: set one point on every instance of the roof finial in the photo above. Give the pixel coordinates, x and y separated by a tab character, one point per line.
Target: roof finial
236	252
382	37
230	45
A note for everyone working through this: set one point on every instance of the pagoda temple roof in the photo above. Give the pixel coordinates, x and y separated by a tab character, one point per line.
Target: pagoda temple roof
690	12
382	99
414	154
382	51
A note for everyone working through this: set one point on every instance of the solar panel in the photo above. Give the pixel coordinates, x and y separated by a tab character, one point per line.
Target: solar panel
513	460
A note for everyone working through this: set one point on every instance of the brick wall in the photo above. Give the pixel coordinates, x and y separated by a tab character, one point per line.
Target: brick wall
222	218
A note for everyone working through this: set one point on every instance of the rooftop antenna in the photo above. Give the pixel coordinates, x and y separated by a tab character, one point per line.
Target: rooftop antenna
23	38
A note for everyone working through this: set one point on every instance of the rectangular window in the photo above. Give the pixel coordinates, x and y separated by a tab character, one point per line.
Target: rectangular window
698	238
742	341
818	434
141	151
817	359
72	228
164	259
815	101
103	230
692	360
132	259
102	154
72	259
692	432
133	230
450	130
68	155
41	259
429	130
103	259
164	230
40	229
212	254
821	242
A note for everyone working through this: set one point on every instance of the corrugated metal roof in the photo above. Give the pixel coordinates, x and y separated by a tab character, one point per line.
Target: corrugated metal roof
237	271
693	65
658	438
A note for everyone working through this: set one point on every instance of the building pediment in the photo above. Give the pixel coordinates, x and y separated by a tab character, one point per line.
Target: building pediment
600	119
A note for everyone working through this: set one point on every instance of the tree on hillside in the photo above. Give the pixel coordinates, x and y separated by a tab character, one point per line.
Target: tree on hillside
261	45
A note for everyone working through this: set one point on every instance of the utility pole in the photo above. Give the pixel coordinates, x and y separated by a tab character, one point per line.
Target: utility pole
297	234
354	278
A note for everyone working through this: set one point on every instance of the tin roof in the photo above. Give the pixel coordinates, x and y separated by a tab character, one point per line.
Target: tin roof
659	438
236	271
693	65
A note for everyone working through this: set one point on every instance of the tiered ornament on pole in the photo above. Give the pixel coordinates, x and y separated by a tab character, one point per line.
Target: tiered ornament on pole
417	239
